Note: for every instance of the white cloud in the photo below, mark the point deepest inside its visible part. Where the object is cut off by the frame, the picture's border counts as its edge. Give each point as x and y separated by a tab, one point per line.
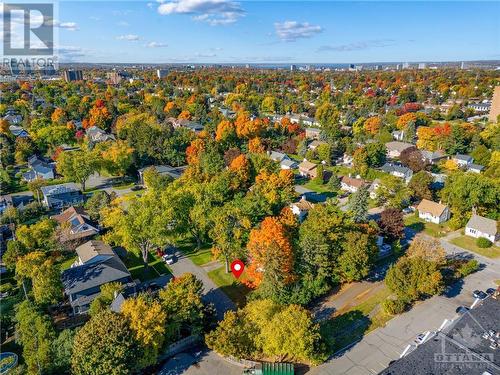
156	45
290	31
71	26
123	23
358	46
214	12
128	37
70	53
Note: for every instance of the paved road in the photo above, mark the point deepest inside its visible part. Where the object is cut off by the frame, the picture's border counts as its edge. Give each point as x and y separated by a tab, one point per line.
212	293
199	362
374	352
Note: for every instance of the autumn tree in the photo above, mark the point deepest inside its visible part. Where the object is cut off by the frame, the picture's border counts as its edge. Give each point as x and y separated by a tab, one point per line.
412	158
372	125
147	319
271	255
427	248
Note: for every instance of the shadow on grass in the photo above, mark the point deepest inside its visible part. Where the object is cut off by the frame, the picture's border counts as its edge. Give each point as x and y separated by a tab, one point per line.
156	267
343	330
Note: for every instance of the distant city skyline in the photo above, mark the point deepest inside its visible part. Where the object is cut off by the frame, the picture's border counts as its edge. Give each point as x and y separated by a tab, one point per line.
292	32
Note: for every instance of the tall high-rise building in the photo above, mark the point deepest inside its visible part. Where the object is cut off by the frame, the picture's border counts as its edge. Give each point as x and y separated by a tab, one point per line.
293	68
495	105
161	73
73	75
406	65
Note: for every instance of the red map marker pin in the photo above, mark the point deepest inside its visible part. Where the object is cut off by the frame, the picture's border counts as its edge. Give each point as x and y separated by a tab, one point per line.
237	268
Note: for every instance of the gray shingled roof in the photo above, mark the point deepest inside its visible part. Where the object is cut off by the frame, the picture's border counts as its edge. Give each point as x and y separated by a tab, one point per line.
89	276
483	224
59	189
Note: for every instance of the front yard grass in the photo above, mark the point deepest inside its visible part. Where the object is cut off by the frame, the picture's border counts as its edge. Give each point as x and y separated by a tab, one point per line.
137	269
234	289
469	243
434	230
198	256
346	327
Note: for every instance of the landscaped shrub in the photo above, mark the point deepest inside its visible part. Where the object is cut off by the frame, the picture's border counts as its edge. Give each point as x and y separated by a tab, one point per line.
469	267
483	242
394	306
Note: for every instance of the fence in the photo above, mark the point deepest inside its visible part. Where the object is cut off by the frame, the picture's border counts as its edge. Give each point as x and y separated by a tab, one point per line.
180	346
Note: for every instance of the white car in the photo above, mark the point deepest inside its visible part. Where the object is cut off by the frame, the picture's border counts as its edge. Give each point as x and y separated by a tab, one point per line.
169	258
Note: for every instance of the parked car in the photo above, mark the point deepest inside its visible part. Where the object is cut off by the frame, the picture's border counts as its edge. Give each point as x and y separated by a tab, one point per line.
479	294
169	258
461	310
490	291
137	187
419	339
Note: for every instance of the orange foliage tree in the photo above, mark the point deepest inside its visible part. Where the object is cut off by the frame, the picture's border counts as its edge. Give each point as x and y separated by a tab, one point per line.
405	119
372	125
225	130
184	115
58	116
241	168
255	145
194	150
270	253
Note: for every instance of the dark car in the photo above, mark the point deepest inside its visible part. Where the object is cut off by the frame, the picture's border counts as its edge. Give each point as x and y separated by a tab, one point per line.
479	294
461	310
490	291
137	187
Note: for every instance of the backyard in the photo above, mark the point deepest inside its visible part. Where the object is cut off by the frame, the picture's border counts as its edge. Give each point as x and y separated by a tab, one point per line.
469	243
156	267
234	289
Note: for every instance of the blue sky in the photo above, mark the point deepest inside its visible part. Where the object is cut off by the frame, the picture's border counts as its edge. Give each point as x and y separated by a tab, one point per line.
225	31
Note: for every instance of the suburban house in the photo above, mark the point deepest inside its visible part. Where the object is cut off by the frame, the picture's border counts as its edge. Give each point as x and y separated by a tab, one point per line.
18	131
395	148
398	135
308	169
463	161
436	213
398	171
432	157
288	164
96	135
373	188
301	208
97	264
313	133
315	144
188	124
347	159
476	168
165	170
75	224
13	118
58	196
16	201
278	156
479	226
348	183
39	168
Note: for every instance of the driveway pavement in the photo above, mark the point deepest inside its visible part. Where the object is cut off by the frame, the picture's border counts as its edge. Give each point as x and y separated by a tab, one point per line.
199	362
212	293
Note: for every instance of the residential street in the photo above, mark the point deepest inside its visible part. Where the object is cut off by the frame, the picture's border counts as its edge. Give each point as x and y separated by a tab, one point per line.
212	293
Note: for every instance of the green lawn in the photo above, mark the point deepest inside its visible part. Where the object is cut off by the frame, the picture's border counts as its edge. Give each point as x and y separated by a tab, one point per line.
351	325
233	288
319	188
469	243
157	267
67	263
434	230
198	256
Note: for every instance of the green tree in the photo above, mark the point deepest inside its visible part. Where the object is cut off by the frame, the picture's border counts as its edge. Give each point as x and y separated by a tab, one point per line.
35	333
62	349
144	225
358	205
360	253
77	166
106	345
334	182
292	334
99	200
47	287
420	185
105	298
38	236
181	300
414	278
481	155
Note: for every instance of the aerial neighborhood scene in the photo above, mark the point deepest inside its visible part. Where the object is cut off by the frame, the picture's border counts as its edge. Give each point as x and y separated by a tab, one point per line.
209	187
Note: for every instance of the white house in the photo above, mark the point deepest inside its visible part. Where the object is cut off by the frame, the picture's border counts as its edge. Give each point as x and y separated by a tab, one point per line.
463	160
395	148
479	226
436	213
350	184
301	208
